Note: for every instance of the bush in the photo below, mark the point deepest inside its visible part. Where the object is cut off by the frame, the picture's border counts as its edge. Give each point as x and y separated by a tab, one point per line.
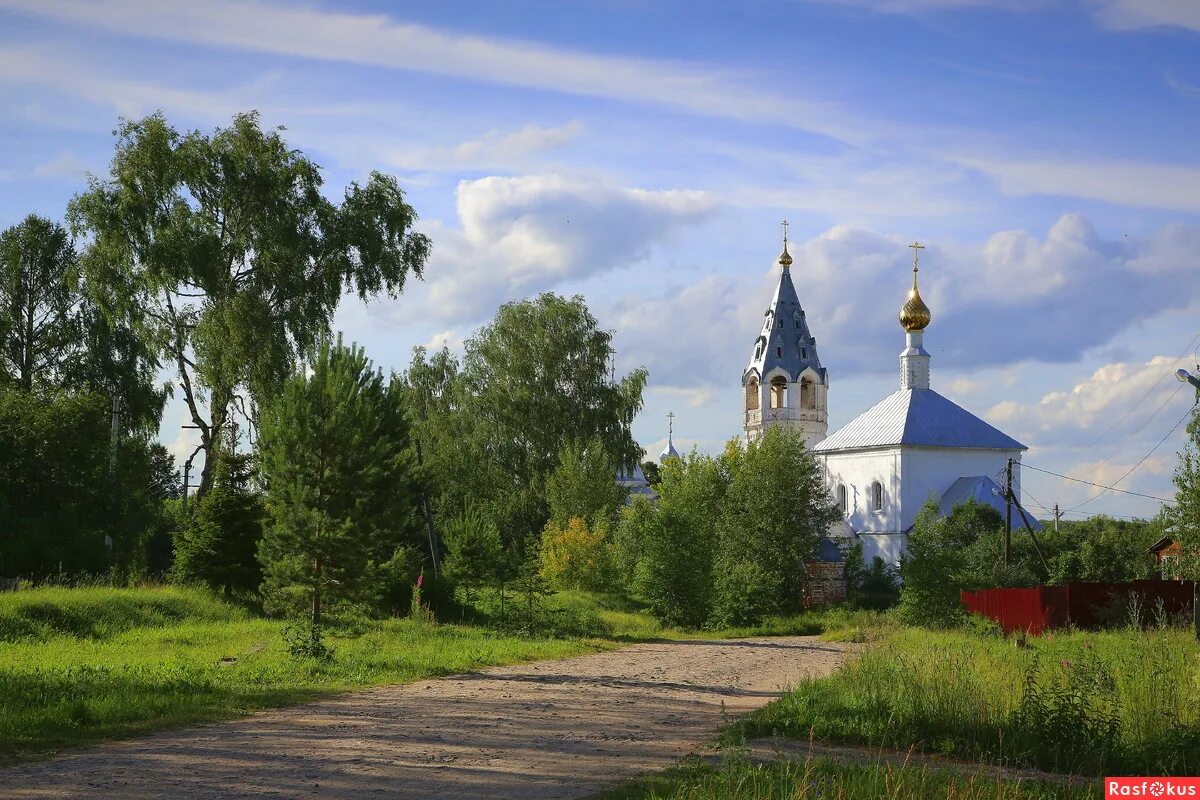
578	556
874	588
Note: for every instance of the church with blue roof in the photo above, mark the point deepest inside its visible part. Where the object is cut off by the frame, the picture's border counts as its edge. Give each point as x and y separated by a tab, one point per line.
884	465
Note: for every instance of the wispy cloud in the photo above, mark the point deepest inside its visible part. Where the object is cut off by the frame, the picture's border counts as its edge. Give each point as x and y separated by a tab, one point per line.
1127	183
1135	14
383	41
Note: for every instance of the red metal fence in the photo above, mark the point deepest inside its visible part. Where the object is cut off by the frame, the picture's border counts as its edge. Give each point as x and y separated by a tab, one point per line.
1081	604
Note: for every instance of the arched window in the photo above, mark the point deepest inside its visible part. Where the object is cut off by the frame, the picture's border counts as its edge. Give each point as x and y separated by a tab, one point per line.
804	353
877	496
841	498
779	352
752	395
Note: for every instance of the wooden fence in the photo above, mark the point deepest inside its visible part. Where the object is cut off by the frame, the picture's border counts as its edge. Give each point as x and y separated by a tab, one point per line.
1080	604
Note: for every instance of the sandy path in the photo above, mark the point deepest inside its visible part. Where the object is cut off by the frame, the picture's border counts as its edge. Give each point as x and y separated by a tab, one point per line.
551	729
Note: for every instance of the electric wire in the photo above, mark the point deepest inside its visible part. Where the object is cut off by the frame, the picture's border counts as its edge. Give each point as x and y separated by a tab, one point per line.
1111	488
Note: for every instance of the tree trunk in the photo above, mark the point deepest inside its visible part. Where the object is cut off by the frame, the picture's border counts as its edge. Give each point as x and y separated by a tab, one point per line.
314	631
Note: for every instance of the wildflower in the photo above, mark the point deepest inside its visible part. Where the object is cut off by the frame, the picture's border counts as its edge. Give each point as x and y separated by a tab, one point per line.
420	580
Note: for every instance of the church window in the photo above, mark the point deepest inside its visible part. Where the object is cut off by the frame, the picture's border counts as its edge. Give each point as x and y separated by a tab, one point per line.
841	497
804	353
779	392
779	352
877	496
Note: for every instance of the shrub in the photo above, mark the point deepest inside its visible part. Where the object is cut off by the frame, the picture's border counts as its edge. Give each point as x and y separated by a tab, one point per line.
578	556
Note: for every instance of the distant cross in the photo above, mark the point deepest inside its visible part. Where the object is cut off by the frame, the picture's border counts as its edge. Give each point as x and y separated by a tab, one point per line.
917	247
670	424
785	227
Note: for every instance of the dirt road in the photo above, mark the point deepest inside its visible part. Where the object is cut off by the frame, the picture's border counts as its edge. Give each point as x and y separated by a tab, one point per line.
551	729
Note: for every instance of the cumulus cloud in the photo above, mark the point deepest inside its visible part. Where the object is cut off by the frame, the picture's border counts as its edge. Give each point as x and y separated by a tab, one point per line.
1013	298
1139	394
522	235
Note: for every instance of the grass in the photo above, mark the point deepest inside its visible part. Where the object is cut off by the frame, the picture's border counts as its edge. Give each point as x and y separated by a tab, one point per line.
822	778
87	664
82	665
1122	702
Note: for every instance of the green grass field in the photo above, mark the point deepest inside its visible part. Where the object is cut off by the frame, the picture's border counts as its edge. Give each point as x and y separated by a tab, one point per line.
81	665
87	664
1121	702
820	779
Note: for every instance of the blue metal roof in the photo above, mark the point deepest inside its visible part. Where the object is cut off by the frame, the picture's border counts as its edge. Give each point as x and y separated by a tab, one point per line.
918	417
985	491
785	341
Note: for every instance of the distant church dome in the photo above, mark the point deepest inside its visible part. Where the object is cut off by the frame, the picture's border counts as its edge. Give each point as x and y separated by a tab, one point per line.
670	451
914	314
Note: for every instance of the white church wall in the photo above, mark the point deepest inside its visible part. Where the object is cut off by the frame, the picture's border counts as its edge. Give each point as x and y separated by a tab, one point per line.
858	471
931	470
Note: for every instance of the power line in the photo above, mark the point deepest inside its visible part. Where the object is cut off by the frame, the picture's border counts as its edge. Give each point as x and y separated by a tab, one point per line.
1108	488
1149	391
1141	461
1138	429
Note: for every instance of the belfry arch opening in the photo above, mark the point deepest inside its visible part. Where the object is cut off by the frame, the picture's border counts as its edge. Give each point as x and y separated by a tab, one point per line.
779	392
808	394
752	394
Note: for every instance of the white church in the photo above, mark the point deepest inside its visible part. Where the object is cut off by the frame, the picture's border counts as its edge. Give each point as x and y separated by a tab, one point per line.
886	463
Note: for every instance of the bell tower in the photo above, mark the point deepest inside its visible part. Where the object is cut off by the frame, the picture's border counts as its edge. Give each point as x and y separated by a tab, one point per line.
784	382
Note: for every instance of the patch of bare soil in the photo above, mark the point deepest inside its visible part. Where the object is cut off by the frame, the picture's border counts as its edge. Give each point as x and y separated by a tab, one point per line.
550	729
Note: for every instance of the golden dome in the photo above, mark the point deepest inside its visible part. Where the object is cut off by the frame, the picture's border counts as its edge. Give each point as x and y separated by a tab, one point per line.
785	259
914	314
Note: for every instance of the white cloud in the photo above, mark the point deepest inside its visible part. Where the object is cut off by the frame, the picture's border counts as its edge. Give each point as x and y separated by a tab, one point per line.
922	6
495	149
523	235
1135	14
381	40
451	339
1103	404
1013	298
64	165
1124	183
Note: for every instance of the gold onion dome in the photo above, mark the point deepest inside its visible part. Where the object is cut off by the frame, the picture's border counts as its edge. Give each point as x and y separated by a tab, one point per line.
914	314
785	259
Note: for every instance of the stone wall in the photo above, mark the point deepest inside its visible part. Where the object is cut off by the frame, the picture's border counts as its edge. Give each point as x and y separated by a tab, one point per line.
826	584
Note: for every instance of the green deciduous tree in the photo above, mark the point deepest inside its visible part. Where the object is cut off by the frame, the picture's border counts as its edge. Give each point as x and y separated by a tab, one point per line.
340	477
671	544
584	485
41	328
492	429
53	337
773	516
223	252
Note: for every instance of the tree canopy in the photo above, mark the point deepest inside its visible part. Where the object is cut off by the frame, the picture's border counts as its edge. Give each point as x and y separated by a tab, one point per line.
223	252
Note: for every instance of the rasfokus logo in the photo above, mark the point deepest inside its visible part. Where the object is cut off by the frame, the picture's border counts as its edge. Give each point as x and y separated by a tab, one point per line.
1151	787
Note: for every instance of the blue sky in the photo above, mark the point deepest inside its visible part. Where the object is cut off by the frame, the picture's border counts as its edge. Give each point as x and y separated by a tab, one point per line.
643	154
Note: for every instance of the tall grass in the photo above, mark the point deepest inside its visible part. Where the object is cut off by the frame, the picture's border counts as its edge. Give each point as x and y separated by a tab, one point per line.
1079	703
821	779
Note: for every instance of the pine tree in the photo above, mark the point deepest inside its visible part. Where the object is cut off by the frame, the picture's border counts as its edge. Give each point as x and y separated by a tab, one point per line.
340	479
219	545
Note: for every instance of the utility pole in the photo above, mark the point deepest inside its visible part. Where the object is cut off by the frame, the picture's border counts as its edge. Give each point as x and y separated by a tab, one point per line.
1008	501
1057	516
113	443
433	552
